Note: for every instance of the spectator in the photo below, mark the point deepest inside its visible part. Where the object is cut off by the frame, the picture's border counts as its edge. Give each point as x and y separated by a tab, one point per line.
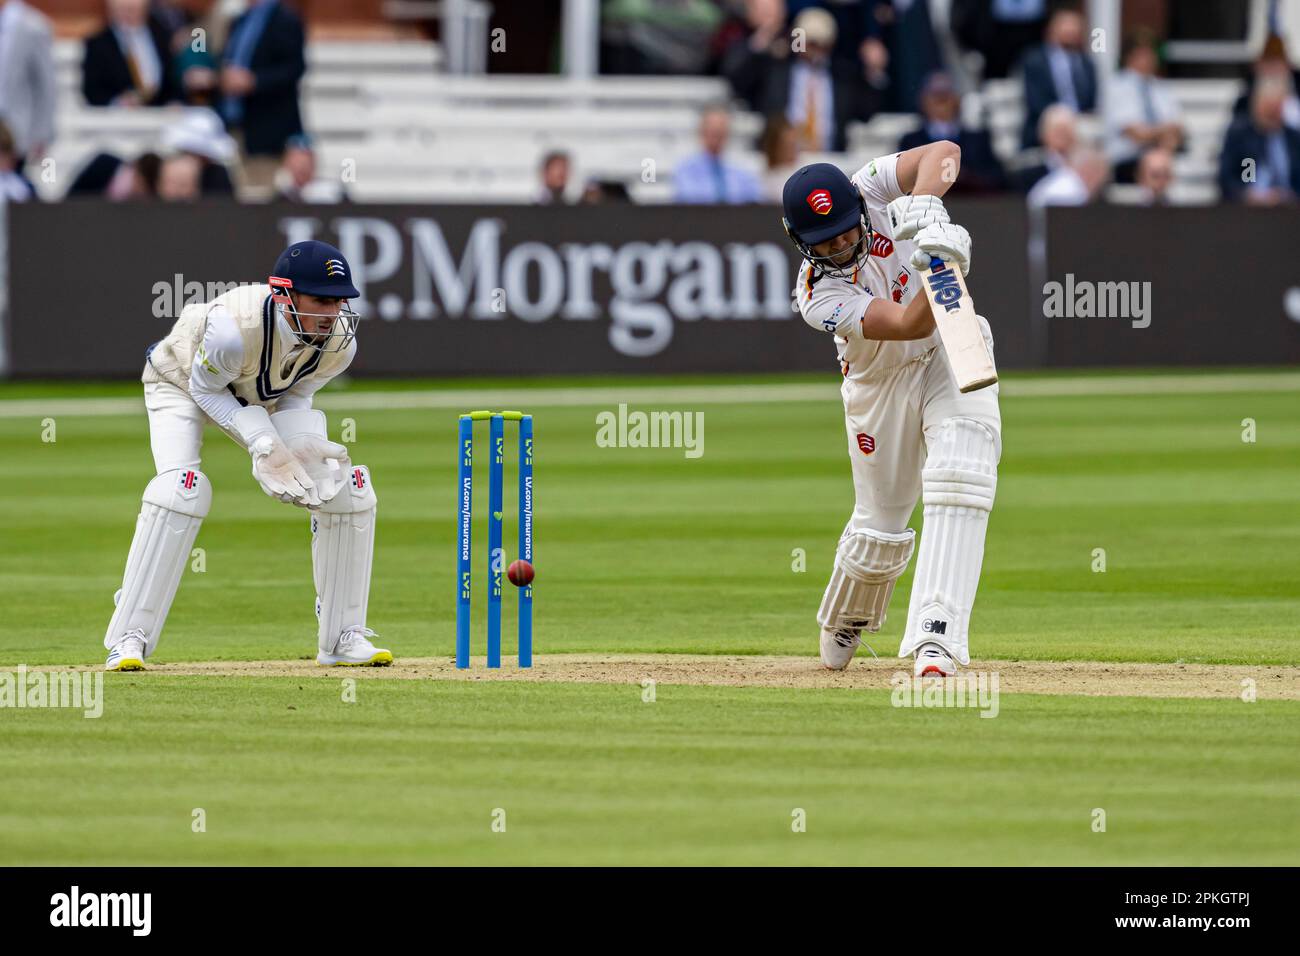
1260	162
28	91
194	65
1155	174
1273	62
941	107
109	177
1141	112
818	95
14	186
780	147
911	50
1058	71
199	133
179	178
1077	183
126	63
263	64
1058	132
756	26
706	177
1000	30
296	179
554	178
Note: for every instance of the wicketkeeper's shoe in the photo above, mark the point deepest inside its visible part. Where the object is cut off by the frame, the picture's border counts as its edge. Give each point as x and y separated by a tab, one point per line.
355	650
127	654
933	661
838	646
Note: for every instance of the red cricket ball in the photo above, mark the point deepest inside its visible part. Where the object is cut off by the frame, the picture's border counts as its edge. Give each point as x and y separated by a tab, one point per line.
520	573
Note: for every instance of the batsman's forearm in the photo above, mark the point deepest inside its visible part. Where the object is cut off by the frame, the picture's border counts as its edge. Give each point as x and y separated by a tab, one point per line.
937	169
918	320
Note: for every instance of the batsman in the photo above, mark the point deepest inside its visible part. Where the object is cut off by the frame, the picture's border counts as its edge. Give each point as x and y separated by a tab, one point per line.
250	362
866	242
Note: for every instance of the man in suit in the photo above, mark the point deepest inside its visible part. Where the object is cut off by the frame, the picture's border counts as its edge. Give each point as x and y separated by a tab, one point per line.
1260	162
707	177
128	62
1058	71
941	106
263	65
1142	113
27	85
816	93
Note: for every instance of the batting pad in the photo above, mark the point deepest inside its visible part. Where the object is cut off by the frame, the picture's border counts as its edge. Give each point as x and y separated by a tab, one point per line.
175	504
958	483
342	547
866	566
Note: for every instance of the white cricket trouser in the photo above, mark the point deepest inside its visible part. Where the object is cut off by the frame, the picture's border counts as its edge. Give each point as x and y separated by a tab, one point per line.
175	427
897	417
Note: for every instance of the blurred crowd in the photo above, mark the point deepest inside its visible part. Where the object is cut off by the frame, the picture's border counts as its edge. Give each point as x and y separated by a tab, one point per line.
231	83
810	68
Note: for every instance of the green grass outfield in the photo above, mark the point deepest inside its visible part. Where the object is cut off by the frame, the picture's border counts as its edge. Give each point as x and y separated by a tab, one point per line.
645	550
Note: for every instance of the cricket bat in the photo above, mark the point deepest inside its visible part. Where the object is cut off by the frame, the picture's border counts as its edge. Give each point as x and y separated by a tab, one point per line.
959	329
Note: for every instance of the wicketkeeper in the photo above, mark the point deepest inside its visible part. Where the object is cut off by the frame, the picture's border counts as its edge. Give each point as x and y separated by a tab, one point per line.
250	362
911	432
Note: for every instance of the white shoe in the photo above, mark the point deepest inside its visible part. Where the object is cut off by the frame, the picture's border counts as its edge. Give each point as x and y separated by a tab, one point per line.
127	654
839	646
933	661
355	650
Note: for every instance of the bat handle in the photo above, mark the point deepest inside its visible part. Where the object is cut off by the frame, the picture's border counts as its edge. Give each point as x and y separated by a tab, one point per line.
936	264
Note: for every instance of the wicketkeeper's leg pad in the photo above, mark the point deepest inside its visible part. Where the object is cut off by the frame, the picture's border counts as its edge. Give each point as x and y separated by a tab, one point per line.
342	548
174	505
867	564
958	486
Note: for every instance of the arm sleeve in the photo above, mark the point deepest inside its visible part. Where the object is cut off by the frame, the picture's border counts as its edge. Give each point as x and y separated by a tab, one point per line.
831	306
216	364
302	392
878	180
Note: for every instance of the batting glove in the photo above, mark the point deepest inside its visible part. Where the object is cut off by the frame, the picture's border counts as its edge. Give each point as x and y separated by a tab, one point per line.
908	215
949	241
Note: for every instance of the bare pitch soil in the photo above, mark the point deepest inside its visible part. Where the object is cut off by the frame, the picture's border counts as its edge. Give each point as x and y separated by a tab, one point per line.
1094	678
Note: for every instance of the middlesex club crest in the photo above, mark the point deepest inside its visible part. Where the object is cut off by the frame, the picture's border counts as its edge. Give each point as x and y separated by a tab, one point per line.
866	444
820	201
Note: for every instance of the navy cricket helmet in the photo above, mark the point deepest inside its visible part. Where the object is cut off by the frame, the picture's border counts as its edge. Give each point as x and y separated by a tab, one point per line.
316	268
819	203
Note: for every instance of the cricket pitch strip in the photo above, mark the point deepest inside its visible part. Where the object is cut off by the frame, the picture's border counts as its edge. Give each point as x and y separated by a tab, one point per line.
1089	678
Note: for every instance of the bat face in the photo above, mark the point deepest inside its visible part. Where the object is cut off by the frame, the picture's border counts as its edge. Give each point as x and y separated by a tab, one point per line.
959	328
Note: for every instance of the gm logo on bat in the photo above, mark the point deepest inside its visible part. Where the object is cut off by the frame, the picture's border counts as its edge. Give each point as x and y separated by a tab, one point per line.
944	285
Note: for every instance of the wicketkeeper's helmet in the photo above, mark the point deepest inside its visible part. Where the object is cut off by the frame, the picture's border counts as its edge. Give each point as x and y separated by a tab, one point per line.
318	269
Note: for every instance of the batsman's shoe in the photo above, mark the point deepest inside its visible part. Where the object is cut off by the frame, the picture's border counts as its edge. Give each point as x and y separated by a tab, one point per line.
127	654
838	646
933	661
355	650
